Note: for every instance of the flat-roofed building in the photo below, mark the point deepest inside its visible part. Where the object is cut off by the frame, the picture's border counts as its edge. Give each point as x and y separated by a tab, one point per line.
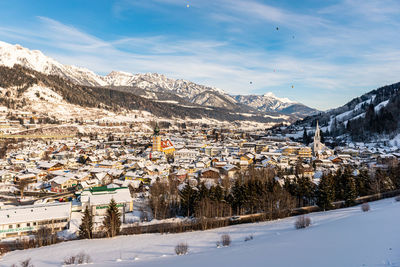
25	220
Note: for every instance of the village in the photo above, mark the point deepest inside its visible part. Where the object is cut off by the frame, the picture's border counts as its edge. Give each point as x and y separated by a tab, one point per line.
50	182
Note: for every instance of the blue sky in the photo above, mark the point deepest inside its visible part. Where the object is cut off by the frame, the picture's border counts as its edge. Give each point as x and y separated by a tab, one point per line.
324	53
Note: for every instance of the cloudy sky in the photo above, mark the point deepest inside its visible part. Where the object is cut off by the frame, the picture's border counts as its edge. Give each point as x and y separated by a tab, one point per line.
320	53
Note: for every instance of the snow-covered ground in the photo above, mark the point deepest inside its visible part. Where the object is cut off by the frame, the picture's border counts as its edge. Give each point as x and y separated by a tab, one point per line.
345	237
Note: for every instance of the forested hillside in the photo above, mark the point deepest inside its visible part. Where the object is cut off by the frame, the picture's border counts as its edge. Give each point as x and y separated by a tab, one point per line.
374	113
17	80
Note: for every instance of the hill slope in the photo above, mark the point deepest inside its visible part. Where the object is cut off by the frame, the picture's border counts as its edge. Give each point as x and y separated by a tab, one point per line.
345	237
374	113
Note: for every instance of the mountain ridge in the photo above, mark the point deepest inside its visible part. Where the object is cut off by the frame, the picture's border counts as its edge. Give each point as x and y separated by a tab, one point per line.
155	85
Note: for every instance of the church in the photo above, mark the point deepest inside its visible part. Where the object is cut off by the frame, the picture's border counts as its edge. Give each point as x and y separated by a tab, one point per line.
320	151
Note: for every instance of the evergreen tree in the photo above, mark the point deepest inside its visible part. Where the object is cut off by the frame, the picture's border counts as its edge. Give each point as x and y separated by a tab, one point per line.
86	227
188	197
363	183
203	192
339	183
350	192
112	220
305	136
305	191
239	196
326	192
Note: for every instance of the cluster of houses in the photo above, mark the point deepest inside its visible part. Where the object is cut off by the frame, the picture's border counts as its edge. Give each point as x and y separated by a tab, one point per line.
98	169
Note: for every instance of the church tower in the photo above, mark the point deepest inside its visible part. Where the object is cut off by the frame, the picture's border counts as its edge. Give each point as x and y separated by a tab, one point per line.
317	141
156	139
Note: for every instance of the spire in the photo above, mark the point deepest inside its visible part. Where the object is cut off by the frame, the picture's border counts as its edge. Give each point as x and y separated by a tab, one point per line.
156	129
317	132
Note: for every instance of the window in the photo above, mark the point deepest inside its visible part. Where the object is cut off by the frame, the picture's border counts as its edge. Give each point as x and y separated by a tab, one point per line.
34	223
18	225
10	226
28	224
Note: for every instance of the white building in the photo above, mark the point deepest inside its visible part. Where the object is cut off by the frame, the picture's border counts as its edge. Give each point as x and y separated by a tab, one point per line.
98	199
25	220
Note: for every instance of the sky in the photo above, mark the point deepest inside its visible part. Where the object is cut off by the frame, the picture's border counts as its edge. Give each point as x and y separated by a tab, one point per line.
320	53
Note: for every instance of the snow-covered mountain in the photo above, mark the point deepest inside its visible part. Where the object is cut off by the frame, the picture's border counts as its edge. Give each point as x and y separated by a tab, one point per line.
151	85
268	102
36	60
154	82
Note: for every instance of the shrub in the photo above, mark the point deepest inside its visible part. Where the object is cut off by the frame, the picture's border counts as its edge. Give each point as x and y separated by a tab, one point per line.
3	249
365	207
225	240
302	222
69	260
397	198
26	263
248	238
79	258
82	258
181	249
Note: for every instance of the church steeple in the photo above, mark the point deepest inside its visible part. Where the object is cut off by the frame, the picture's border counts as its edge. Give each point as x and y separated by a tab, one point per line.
156	129
317	141
317	136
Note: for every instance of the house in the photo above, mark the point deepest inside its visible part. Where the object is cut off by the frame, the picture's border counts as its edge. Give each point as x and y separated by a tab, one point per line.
103	177
181	174
248	157
6	176
50	166
229	170
210	173
62	183
26	177
167	147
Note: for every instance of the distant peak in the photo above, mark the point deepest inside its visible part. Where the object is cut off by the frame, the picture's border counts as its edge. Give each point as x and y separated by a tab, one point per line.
272	95
269	94
119	73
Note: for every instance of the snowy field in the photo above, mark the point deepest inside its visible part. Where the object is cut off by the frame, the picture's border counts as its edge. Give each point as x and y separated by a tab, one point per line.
345	237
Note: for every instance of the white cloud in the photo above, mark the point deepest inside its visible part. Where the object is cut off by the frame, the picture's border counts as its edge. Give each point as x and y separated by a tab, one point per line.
329	61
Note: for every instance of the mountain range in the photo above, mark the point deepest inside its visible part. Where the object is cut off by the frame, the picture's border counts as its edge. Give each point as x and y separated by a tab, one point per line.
156	87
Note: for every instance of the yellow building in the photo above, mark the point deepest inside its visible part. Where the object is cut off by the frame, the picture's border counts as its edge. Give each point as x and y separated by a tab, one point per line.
156	139
167	147
305	152
156	143
289	150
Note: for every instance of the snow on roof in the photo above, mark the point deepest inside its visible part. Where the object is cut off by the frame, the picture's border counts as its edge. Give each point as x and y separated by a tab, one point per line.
103	195
229	167
35	213
60	179
46	165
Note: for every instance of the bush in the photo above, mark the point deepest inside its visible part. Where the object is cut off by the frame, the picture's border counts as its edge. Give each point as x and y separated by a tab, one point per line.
3	249
397	198
82	258
248	238
26	263
79	258
302	222
181	249
225	240
365	207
